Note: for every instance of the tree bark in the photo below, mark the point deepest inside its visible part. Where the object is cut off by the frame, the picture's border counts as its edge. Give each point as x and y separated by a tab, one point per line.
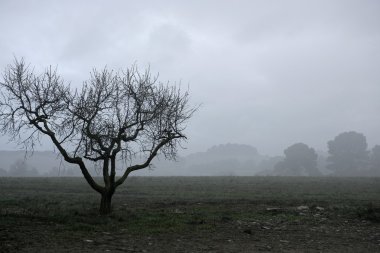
105	203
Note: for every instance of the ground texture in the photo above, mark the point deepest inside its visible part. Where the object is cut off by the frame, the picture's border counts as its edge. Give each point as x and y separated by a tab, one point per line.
208	214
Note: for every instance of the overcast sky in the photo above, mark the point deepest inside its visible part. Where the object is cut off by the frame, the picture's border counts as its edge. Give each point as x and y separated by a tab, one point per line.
268	73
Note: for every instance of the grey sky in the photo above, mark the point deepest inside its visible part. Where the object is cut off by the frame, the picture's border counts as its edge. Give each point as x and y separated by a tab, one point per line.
269	73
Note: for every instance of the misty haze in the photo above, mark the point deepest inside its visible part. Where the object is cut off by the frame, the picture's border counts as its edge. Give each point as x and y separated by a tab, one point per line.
202	126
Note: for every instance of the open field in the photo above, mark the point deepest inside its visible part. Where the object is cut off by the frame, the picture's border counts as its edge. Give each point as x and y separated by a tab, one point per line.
179	214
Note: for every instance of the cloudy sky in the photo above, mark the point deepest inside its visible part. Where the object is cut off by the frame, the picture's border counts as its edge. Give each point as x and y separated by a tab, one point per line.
268	73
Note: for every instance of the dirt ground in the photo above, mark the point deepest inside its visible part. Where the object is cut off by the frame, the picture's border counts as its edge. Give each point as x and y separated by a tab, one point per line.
32	222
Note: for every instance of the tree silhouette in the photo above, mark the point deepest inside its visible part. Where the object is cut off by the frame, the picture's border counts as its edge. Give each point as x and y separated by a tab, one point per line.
20	168
3	172
125	115
374	161
300	160
348	154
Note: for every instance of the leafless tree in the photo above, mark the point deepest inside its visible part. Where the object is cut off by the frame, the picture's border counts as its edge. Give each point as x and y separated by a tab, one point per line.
116	115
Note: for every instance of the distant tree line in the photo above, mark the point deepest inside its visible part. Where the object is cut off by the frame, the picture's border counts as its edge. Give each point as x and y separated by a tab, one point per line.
348	155
20	168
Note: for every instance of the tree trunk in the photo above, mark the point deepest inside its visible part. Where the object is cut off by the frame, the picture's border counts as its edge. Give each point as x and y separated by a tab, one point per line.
105	203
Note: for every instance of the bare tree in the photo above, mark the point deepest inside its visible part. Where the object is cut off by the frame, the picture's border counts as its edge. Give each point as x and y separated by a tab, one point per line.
121	115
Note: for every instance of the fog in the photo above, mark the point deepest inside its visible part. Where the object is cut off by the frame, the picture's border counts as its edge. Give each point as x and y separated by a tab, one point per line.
266	73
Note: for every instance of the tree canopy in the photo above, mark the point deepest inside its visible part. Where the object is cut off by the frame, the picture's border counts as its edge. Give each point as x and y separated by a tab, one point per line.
300	160
374	161
348	154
